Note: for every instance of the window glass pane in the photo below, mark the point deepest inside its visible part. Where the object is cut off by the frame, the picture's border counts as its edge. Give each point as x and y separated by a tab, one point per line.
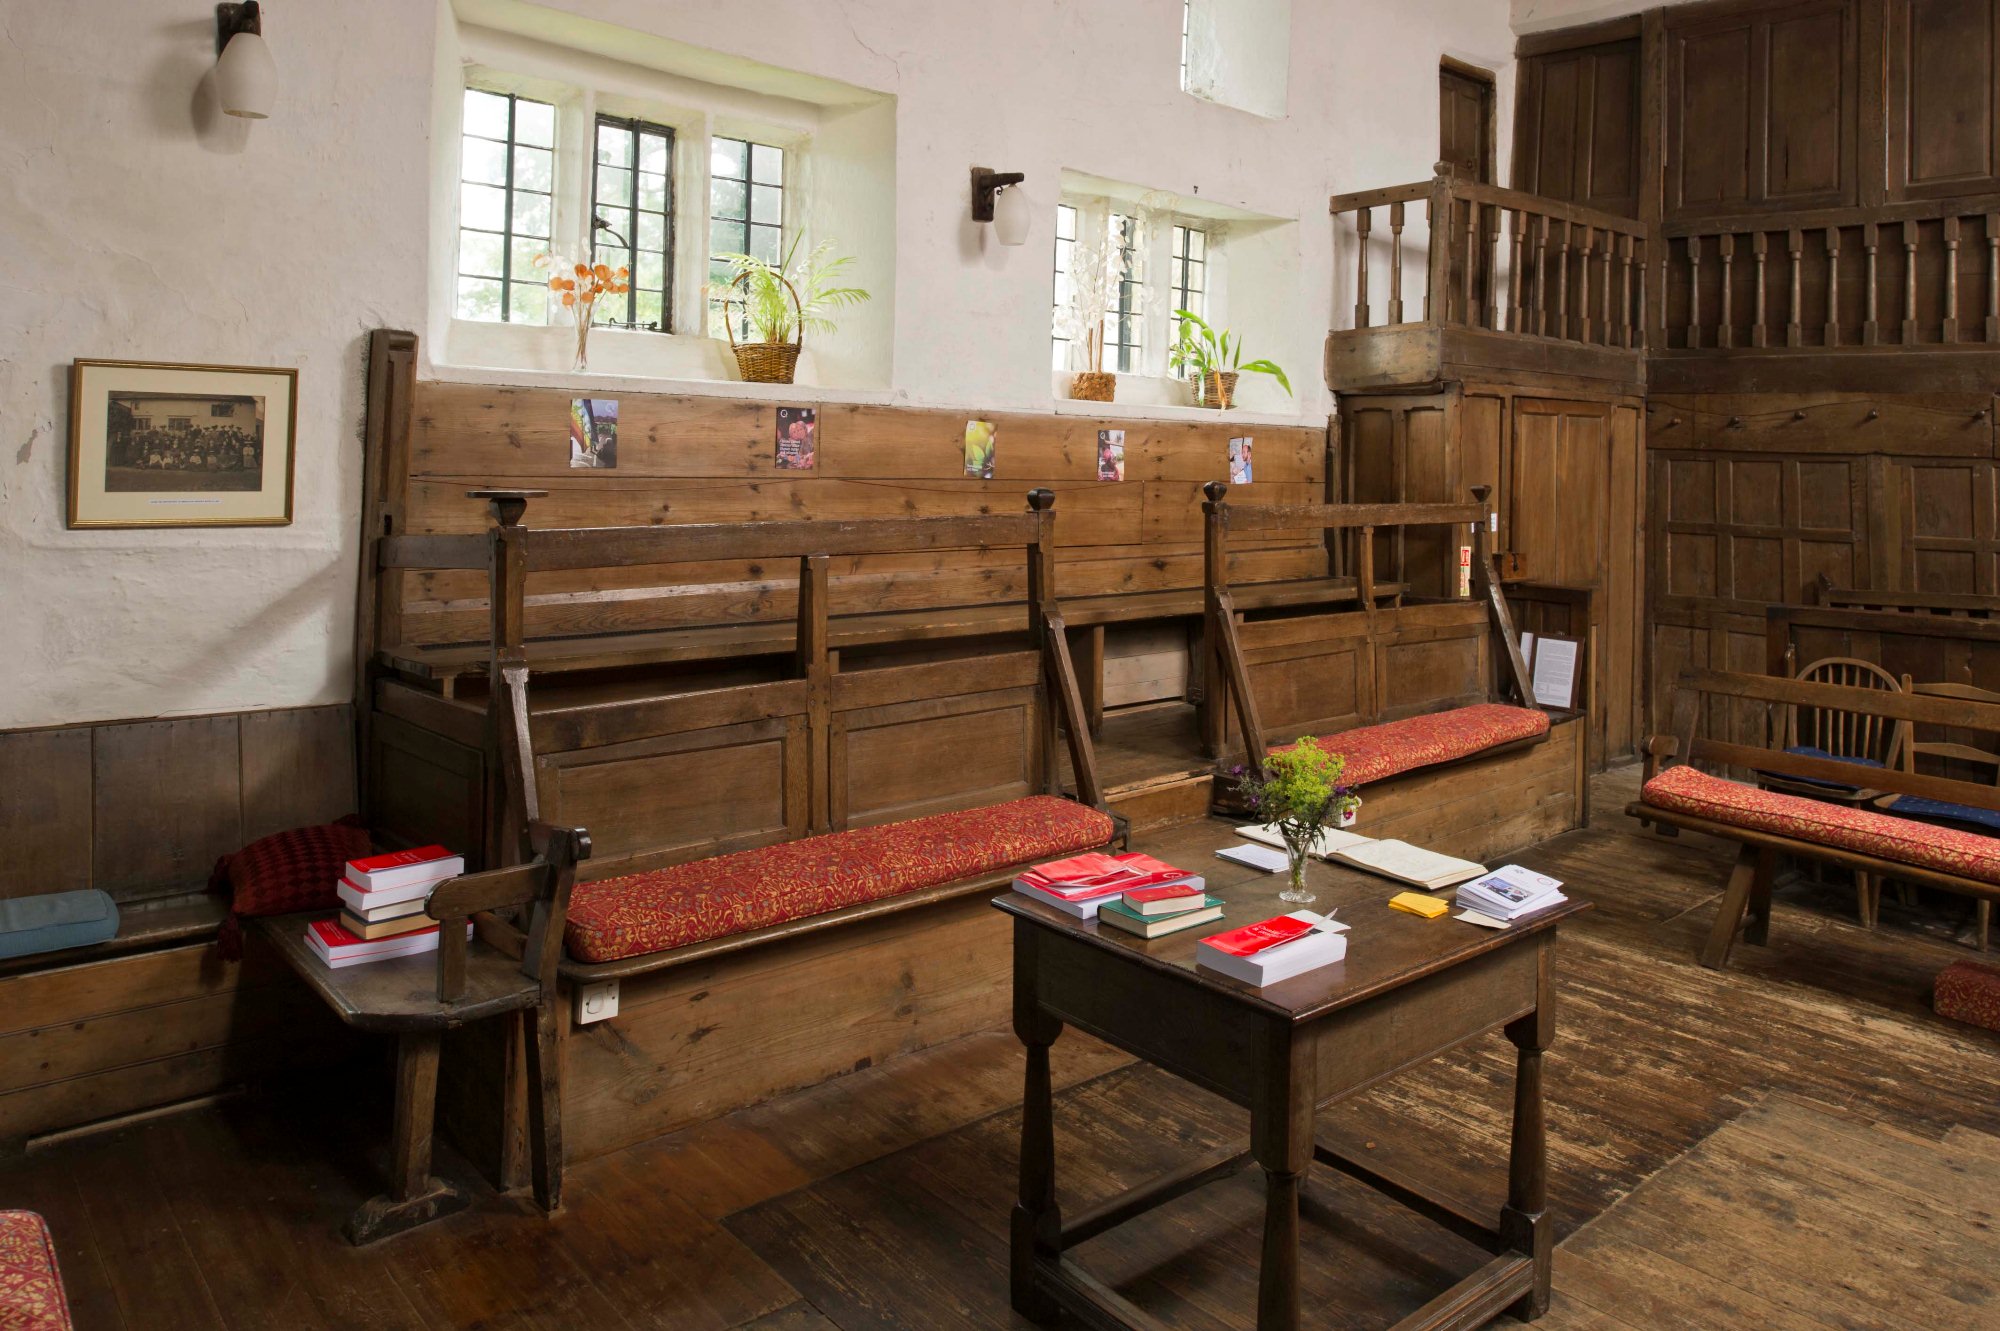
614	188
725	198
653	153
651	271
531	214
482	253
534	168
727	157
529	303
485	114
614	145
767	164
652	232
1197	244
648	308
526	250
482	206
485	161
726	238
534	123
613	256
478	298
764	243
652	192
767	204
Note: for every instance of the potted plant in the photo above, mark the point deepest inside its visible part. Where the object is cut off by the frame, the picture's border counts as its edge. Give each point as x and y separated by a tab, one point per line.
1213	361
781	301
1298	791
1096	267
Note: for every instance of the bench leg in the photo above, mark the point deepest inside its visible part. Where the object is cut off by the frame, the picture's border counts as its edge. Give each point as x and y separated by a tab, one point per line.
1758	931
545	1104
1867	899
1735	902
1091	673
415	1197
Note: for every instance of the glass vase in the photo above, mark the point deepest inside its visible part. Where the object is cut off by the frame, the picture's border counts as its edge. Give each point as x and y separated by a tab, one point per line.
582	363
1295	893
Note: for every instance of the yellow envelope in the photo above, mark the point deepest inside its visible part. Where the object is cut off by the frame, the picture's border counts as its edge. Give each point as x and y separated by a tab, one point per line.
1417	904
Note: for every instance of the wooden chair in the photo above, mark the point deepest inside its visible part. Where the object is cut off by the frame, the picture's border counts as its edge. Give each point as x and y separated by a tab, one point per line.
1964	755
511	969
1841	736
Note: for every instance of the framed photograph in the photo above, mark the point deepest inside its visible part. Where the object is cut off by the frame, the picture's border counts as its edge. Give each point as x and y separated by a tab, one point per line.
154	445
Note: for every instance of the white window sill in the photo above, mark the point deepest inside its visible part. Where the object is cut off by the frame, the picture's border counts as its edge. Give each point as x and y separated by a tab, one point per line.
1146	404
805	394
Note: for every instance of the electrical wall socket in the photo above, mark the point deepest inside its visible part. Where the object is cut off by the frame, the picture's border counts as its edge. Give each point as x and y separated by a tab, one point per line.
595	1002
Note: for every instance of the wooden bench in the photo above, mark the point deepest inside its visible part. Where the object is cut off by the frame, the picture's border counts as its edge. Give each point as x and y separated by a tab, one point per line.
828	808
1768	823
1407	690
1956	605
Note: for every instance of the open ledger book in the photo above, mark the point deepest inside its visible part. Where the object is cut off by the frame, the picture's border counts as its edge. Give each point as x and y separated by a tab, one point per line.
1398	860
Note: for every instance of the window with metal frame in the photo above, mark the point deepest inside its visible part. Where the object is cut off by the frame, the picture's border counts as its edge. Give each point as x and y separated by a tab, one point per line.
632	219
1187	16
506	207
1065	246
1187	274
1124	331
746	215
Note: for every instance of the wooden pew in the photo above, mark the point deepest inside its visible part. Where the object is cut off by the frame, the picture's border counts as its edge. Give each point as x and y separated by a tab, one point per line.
1957	605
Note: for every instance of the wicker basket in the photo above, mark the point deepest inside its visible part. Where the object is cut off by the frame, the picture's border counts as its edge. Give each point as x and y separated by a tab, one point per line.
1094	386
1215	389
766	362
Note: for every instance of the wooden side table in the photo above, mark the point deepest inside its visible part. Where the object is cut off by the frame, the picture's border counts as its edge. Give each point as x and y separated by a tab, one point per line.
1409	990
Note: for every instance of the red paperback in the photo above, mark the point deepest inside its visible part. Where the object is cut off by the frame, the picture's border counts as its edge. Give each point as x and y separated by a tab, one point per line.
1162	893
1096	874
396	859
1254	938
333	935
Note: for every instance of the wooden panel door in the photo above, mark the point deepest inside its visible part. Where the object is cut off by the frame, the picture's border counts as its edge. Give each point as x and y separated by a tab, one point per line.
1465	121
1561	480
1944	98
1576	123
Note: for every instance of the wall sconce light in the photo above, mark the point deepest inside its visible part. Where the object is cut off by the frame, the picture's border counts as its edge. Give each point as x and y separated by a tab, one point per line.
246	78
996	198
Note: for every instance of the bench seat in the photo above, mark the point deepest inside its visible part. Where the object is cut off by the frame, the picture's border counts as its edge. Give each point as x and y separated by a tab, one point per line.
1378	752
1687	790
31	1288
663	909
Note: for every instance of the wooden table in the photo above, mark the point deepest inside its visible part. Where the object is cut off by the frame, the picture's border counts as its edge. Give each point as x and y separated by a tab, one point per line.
399	997
1409	990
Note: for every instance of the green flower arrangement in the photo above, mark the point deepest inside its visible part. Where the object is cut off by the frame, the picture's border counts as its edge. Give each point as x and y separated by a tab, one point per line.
1299	790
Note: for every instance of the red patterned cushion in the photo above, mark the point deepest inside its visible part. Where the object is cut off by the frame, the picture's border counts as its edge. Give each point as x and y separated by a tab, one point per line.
1375	753
1684	789
754	889
31	1292
1969	992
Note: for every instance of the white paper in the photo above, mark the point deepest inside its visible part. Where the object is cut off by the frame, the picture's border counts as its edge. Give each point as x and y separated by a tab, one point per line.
1555	672
1483	921
1256	857
1329	840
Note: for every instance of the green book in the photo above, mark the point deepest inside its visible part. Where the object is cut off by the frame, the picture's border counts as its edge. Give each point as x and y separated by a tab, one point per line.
1117	916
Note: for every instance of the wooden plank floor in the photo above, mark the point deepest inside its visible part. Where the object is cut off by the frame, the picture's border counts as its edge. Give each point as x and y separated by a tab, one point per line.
1795	1143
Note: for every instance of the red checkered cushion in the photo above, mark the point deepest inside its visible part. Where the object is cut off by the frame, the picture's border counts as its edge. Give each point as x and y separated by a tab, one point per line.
31	1290
755	889
1969	992
286	872
1375	753
1684	789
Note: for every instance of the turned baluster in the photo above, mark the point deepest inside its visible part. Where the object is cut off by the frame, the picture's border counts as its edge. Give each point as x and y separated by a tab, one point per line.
1909	283
1694	293
1542	281
1604	299
1759	335
1562	284
1472	302
1361	225
1639	310
1871	325
1833	286
1584	252
1725	328
1395	263
1517	317
1993	277
1796	244
1625	290
1950	330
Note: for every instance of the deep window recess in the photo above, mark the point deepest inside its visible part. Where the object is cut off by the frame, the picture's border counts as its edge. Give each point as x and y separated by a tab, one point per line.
746	215
505	206
632	219
1123	331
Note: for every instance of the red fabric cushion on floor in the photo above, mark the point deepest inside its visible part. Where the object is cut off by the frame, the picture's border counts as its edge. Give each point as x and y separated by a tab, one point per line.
755	889
1684	789
1375	753
31	1290
1969	992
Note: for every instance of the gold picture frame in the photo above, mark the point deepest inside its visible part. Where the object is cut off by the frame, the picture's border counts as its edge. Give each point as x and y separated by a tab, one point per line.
158	444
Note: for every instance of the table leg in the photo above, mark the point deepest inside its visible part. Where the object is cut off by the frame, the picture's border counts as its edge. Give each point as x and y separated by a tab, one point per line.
1281	1139
415	1197
1525	1225
1037	1221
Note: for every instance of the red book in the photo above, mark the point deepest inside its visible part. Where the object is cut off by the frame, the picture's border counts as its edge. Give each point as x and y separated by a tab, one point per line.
1096	874
1254	938
1165	900
396	859
403	869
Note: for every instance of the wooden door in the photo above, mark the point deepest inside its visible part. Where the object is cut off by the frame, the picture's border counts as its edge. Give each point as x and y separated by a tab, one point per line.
1944	98
1465	120
1576	126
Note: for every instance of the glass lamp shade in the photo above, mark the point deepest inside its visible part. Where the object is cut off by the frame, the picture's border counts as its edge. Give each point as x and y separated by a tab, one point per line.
246	78
1011	216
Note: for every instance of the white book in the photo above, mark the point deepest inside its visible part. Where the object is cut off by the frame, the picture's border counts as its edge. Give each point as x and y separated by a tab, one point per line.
369	906
1324	846
1409	864
1256	857
1510	892
1322	947
1482	905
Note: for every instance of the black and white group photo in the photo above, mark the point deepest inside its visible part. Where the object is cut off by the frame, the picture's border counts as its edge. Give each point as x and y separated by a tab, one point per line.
171	441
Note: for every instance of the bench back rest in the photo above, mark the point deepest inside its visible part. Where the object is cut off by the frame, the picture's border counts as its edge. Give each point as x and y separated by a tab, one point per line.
1960	605
535	894
1410	639
812	717
1683	745
1845	734
1951	751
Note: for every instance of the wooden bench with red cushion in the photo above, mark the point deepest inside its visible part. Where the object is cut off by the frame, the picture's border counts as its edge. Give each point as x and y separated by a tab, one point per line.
743	896
31	1288
1969	992
1391	748
1770	823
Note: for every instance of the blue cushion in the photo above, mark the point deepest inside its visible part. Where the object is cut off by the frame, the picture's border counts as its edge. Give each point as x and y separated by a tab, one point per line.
1974	820
54	921
1807	751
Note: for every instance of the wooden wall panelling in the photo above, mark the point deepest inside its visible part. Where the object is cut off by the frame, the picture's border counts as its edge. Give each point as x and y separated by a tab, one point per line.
1311	675
1952	533
298	768
167	799
45	809
1577	119
424	787
1943	98
907	759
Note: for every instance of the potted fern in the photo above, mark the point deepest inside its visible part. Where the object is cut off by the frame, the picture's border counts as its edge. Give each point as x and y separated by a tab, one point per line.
780	302
1213	361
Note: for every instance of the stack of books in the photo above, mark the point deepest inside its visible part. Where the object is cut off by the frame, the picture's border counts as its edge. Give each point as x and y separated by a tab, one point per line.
1510	892
1275	949
1081	884
382	907
1154	912
1398	860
